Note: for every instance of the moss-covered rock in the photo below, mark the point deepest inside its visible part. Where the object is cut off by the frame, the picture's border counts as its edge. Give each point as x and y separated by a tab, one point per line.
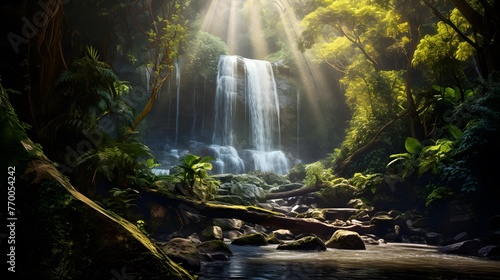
211	233
346	239
337	195
254	239
307	243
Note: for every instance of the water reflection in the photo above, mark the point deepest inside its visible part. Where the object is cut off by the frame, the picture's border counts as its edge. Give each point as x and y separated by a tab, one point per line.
377	262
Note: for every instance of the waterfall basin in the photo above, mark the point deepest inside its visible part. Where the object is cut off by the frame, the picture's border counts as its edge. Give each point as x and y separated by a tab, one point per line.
385	261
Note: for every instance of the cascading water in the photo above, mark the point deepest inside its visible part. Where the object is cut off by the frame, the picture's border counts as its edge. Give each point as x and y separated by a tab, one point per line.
247	118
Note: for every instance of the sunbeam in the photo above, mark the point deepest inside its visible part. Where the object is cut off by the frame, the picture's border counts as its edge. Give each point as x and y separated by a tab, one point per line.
315	83
222	20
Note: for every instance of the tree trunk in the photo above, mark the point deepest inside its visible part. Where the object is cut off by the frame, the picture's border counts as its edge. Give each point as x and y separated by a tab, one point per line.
302	191
258	216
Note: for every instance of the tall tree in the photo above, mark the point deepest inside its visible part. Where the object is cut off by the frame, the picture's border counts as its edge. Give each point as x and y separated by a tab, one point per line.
166	30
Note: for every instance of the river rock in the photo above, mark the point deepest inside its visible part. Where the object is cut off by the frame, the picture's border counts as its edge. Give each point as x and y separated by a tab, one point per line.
468	248
383	223
433	238
250	193
183	251
232	234
283	234
346	239
490	251
254	239
211	233
307	243
274	240
214	250
228	224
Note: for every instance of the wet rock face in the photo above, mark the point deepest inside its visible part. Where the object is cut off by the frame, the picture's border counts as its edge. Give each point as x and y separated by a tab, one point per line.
346	239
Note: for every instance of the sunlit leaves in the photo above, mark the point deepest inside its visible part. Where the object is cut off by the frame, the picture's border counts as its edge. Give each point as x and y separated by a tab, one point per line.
446	44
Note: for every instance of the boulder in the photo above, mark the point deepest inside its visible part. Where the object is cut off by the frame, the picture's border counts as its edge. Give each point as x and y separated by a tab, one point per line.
433	238
249	192
274	240
232	234
307	243
489	251
283	234
383	223
253	239
338	195
211	233
184	252
228	224
240	193
468	248
214	250
346	239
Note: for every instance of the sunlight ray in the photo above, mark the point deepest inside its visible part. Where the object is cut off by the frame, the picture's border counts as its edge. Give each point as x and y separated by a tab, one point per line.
312	77
260	47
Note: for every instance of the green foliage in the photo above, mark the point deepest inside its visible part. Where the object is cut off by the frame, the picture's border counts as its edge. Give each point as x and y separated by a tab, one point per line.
337	194
13	131
317	170
91	90
119	200
424	157
437	194
444	52
459	174
116	161
297	173
364	182
195	177
202	55
481	116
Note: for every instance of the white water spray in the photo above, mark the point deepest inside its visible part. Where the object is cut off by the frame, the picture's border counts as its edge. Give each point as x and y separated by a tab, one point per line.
247	116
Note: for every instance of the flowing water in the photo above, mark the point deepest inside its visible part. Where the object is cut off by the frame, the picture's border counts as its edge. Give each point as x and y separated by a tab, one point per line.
247	116
386	261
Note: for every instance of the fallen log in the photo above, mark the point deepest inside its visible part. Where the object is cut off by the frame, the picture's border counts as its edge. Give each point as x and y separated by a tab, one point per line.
260	216
298	192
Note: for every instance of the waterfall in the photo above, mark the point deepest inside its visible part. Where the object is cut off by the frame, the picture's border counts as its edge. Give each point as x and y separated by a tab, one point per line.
247	117
178	85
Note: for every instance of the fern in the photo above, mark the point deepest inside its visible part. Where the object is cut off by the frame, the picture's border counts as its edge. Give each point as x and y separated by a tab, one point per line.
116	161
92	90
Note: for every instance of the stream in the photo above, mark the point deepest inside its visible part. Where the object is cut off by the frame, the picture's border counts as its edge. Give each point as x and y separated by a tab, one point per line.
386	261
